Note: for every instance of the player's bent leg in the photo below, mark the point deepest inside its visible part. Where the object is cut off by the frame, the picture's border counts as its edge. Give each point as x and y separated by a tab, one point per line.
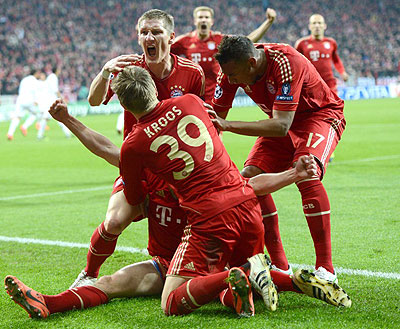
250	171
104	239
314	286
317	211
119	213
140	279
171	283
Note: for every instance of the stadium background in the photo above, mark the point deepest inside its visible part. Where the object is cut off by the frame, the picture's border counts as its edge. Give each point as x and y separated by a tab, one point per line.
81	35
55	193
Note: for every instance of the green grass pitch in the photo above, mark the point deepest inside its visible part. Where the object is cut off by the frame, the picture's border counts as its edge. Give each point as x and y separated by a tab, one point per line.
363	183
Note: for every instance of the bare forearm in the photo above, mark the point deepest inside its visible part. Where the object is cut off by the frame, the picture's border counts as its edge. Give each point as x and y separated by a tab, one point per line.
268	183
98	90
265	128
93	141
258	33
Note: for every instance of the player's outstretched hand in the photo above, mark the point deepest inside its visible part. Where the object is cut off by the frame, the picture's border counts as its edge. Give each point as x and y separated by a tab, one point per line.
270	14
117	64
59	111
306	167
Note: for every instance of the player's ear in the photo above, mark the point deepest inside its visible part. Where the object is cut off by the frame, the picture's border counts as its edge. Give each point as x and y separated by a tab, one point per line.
171	38
252	61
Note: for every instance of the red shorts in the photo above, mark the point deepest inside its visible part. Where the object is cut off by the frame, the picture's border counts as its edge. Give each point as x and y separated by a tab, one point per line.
161	265
232	236
316	137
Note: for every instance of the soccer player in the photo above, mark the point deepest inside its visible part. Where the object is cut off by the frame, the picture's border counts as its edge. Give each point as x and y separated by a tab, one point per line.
26	102
48	93
306	117
201	45
142	278
322	51
173	76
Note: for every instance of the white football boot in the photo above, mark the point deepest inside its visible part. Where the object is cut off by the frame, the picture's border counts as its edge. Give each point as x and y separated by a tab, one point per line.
260	279
314	286
322	273
83	280
289	271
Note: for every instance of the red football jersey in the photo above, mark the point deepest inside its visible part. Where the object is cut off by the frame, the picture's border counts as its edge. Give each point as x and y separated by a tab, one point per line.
178	142
290	83
322	54
185	77
201	52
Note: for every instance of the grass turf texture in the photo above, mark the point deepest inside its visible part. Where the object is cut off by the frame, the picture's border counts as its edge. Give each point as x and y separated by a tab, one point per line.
364	197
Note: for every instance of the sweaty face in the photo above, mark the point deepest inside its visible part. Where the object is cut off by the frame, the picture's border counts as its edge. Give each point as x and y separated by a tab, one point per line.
203	21
155	40
317	25
239	73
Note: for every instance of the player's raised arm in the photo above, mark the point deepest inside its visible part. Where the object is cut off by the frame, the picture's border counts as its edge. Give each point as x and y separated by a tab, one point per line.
92	140
258	33
306	167
99	86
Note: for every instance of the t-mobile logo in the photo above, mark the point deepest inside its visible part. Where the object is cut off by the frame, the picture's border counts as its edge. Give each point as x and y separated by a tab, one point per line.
164	214
314	55
196	57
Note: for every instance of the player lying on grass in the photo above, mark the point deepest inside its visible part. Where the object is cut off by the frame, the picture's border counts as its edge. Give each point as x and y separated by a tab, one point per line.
145	278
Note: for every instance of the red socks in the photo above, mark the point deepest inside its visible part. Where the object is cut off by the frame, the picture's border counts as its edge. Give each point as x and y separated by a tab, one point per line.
317	211
102	245
272	236
77	298
195	293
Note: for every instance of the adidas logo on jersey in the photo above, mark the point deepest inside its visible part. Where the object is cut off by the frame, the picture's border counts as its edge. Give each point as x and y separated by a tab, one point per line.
190	266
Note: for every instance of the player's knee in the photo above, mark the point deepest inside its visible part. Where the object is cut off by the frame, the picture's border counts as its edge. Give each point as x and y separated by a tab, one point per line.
250	171
115	225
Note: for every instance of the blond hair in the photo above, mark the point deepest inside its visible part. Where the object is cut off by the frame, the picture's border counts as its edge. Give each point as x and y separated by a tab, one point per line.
135	89
203	8
167	19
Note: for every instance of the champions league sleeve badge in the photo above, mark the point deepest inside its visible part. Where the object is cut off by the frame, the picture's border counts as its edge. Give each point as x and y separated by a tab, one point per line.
218	92
285	93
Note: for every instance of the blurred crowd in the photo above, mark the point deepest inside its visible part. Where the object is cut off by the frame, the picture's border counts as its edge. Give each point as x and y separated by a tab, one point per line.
81	35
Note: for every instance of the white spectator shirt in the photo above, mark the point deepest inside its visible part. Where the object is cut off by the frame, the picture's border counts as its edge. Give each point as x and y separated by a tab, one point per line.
27	90
52	86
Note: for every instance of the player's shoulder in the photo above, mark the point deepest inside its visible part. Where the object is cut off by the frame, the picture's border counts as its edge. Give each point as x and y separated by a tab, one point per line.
300	41
185	64
183	38
330	39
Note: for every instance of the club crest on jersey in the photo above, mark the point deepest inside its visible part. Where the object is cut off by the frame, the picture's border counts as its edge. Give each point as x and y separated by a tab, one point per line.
211	45
176	91
218	92
327	45
271	87
285	93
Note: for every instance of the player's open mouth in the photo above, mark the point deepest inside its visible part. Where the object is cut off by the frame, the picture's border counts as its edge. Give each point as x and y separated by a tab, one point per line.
151	50
203	26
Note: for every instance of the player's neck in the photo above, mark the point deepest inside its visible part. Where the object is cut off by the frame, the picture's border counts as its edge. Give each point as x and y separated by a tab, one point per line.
162	69
203	36
147	111
262	64
318	37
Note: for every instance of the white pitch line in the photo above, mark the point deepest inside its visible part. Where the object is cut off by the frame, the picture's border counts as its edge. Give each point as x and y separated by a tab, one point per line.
144	252
38	195
382	158
66	244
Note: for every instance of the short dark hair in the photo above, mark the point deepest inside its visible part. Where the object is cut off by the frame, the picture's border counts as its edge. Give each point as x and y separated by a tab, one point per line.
236	48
